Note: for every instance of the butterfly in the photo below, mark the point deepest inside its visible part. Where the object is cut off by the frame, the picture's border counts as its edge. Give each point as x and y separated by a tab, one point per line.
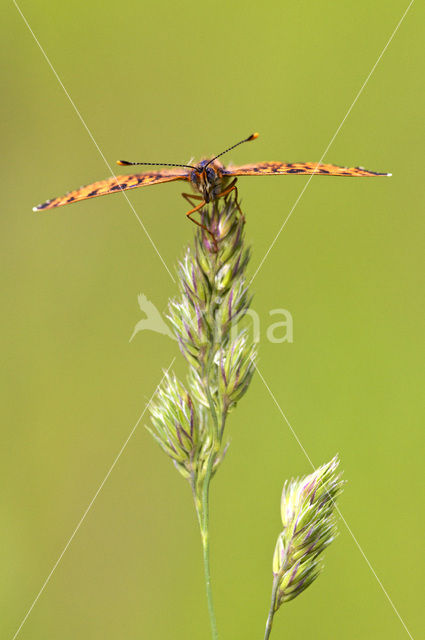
210	178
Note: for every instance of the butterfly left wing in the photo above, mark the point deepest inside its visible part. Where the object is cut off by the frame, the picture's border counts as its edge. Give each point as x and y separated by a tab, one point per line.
114	184
282	168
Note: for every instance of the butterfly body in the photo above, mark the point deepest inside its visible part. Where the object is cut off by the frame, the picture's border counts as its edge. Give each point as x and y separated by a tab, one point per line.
209	179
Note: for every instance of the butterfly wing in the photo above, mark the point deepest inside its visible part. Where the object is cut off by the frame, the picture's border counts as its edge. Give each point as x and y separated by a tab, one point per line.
279	168
114	184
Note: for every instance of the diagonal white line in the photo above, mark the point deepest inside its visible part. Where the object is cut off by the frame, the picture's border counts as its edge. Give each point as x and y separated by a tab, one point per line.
336	506
332	140
92	138
373	572
111	468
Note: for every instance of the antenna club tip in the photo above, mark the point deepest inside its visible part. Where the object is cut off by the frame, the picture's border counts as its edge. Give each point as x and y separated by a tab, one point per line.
253	136
123	163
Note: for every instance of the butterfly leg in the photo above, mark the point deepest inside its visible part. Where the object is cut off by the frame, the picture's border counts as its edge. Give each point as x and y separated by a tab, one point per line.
189	197
227	191
194	210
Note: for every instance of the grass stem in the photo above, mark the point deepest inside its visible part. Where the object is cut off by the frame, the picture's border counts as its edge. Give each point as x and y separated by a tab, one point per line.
270	617
204	523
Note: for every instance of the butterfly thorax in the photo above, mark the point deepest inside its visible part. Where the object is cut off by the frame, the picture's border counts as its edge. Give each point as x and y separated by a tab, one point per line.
208	179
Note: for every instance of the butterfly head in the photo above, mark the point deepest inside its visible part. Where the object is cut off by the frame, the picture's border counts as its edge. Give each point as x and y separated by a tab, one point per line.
206	178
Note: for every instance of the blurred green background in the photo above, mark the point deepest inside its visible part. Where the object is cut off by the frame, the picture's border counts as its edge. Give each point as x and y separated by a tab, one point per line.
171	81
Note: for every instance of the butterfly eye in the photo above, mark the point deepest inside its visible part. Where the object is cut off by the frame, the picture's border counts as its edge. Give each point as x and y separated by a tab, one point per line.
210	174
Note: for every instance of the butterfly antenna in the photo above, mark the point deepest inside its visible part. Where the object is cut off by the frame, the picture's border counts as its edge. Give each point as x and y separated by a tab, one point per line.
253	136
125	163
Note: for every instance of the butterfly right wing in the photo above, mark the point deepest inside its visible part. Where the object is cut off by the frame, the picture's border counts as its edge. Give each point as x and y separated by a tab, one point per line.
303	168
113	185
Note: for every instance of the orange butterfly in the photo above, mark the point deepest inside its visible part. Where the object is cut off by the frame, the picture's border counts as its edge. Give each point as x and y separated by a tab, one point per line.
210	178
